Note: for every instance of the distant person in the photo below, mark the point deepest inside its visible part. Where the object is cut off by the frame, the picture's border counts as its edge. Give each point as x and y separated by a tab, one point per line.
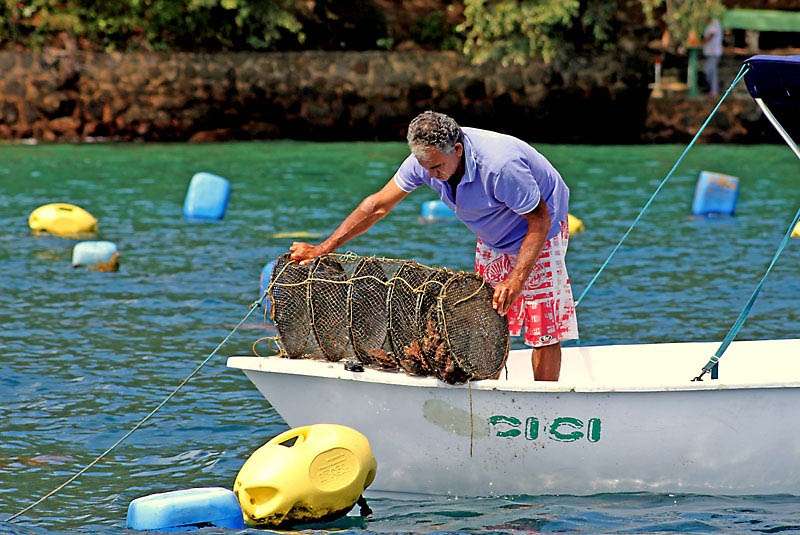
516	203
712	50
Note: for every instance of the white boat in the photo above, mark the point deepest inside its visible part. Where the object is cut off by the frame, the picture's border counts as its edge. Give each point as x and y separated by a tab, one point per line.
622	418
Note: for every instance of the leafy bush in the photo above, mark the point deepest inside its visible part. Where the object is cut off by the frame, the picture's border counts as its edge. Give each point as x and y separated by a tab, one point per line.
154	24
514	31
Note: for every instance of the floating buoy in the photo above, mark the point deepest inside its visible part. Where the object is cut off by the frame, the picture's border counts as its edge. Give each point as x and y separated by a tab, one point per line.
431	211
308	474
186	509
715	193
575	225
263	284
207	197
97	255
796	231
296	235
62	219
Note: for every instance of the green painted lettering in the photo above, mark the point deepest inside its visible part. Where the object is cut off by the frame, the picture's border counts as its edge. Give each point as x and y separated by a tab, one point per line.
574	423
594	430
532	428
506	420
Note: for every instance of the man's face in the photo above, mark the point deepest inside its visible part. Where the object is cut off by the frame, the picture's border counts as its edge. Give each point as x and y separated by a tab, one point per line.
439	165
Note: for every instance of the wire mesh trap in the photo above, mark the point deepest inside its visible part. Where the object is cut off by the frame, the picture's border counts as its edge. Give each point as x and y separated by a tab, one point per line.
389	313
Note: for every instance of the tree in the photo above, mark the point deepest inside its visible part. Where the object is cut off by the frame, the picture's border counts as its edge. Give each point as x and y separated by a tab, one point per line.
516	31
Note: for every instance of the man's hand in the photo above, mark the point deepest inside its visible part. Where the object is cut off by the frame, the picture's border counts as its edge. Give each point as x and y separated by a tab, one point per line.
304	253
505	294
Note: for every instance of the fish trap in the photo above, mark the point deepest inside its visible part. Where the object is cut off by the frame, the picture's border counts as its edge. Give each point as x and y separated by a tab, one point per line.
388	314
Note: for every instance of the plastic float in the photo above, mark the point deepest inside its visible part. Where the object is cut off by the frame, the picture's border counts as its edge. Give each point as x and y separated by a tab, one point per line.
182	510
308	474
296	235
62	219
263	283
575	225
207	197
97	255
431	211
715	193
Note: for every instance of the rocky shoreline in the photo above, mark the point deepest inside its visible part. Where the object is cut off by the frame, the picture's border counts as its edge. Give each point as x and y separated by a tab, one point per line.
73	96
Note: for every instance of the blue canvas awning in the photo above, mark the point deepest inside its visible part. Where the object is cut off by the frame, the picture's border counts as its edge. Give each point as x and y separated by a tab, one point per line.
774	83
774	78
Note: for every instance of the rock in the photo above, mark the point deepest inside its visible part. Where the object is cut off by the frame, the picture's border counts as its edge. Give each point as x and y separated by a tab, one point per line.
64	125
206	136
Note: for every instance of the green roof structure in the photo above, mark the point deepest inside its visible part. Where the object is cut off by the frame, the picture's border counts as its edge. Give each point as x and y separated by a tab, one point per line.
763	20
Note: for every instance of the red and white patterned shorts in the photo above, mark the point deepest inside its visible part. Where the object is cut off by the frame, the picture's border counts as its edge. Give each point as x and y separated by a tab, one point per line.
545	307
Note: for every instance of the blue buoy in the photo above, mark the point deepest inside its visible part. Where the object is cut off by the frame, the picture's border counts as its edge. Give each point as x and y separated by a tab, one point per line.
435	211
263	284
715	193
94	253
182	509
207	197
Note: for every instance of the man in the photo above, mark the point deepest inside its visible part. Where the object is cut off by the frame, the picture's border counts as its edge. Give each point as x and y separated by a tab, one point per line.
516	203
712	50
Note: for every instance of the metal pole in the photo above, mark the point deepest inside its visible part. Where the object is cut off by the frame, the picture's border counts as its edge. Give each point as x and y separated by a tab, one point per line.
691	75
785	135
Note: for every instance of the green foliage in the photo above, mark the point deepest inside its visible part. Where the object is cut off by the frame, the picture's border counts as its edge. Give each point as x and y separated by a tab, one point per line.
433	31
515	31
153	24
683	17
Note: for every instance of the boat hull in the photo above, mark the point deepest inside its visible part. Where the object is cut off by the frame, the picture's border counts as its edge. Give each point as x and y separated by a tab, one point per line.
477	440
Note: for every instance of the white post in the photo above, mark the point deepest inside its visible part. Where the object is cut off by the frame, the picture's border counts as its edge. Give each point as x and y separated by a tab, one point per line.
778	127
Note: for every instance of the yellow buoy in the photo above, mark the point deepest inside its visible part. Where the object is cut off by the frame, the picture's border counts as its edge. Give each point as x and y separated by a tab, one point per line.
575	224
296	234
796	231
62	219
307	474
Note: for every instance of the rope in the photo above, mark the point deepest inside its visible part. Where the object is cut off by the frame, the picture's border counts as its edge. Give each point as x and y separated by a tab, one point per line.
737	325
273	339
680	159
471	423
141	422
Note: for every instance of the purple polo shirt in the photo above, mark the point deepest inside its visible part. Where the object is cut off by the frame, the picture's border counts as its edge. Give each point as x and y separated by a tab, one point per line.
504	178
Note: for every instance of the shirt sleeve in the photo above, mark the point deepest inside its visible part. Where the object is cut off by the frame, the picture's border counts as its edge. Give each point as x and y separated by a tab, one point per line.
516	188
410	175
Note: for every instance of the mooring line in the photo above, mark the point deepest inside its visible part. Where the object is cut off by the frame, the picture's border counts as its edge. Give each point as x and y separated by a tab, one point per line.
141	422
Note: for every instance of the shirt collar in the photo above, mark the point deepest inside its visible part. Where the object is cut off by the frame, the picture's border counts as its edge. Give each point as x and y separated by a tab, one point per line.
470	159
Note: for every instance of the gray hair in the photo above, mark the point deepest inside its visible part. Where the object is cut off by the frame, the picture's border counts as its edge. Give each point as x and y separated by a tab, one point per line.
432	130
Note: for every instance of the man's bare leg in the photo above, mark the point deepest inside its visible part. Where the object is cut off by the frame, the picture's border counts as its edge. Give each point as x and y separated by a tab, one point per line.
546	362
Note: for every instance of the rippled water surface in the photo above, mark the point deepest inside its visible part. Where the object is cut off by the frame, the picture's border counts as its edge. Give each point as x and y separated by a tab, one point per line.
85	355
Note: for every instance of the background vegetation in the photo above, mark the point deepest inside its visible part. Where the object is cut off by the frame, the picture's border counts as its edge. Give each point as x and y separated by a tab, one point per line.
484	30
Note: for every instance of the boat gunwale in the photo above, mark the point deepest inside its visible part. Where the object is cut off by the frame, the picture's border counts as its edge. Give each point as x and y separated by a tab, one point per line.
335	370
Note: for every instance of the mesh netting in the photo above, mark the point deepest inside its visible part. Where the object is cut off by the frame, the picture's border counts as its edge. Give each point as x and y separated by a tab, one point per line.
368	329
470	325
401	305
389	313
289	309
327	304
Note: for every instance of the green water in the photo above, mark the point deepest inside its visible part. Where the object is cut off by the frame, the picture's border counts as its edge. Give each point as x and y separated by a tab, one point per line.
85	354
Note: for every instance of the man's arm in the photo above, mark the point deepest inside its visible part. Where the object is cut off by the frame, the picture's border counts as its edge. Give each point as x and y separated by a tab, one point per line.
366	214
507	291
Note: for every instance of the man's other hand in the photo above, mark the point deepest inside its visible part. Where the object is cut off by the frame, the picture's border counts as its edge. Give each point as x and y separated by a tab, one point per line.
303	252
505	294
